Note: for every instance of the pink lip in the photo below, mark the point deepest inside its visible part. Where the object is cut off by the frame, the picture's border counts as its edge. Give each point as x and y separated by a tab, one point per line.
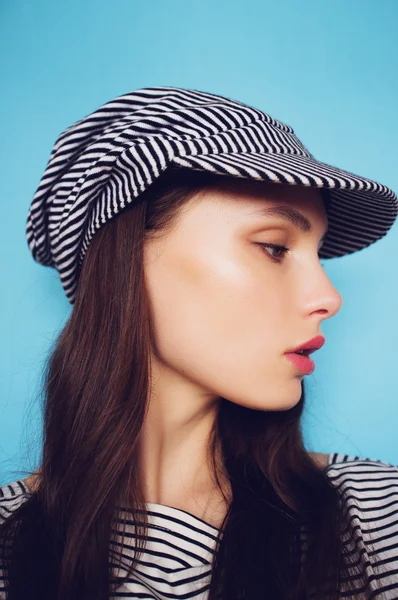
315	344
301	362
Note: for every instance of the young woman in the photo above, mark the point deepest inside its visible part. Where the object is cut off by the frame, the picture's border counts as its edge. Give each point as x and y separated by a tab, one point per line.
173	463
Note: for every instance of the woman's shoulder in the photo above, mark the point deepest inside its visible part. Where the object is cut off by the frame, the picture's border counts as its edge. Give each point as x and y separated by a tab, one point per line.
346	464
366	484
368	489
368	480
12	495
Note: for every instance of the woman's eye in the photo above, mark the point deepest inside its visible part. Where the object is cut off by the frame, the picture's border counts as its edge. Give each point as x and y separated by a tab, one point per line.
276	248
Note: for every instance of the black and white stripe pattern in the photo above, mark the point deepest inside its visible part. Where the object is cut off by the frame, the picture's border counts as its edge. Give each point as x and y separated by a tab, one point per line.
101	163
176	562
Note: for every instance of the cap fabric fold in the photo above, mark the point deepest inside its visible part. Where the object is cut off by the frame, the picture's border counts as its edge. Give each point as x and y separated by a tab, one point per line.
103	162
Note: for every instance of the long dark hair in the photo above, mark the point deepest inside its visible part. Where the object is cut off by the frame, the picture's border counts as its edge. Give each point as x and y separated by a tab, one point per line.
96	381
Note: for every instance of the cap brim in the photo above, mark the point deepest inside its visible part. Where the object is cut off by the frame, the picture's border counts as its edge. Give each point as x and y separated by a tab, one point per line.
360	212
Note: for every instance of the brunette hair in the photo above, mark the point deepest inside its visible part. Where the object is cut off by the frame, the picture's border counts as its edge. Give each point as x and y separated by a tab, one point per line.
96	389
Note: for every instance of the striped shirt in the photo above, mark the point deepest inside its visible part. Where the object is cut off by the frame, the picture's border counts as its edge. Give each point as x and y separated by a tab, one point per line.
176	562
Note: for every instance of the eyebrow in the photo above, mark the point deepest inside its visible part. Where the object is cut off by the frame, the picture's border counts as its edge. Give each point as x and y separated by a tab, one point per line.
289	214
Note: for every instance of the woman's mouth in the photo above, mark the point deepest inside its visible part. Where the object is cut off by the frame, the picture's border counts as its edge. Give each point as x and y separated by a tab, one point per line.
302	362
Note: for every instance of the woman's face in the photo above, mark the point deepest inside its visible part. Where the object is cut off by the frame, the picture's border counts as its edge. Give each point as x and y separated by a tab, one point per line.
225	310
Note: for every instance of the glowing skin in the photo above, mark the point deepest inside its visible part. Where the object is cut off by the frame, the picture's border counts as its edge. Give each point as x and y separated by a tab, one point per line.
224	314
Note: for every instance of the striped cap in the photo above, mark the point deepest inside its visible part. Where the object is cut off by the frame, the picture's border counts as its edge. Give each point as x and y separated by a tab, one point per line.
101	163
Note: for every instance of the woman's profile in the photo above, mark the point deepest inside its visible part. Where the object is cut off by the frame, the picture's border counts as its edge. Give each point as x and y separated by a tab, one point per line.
187	229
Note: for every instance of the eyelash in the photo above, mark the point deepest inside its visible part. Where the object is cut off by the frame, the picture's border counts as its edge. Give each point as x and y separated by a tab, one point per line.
276	247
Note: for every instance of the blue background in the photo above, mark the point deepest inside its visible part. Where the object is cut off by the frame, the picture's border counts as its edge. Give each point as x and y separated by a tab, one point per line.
328	69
